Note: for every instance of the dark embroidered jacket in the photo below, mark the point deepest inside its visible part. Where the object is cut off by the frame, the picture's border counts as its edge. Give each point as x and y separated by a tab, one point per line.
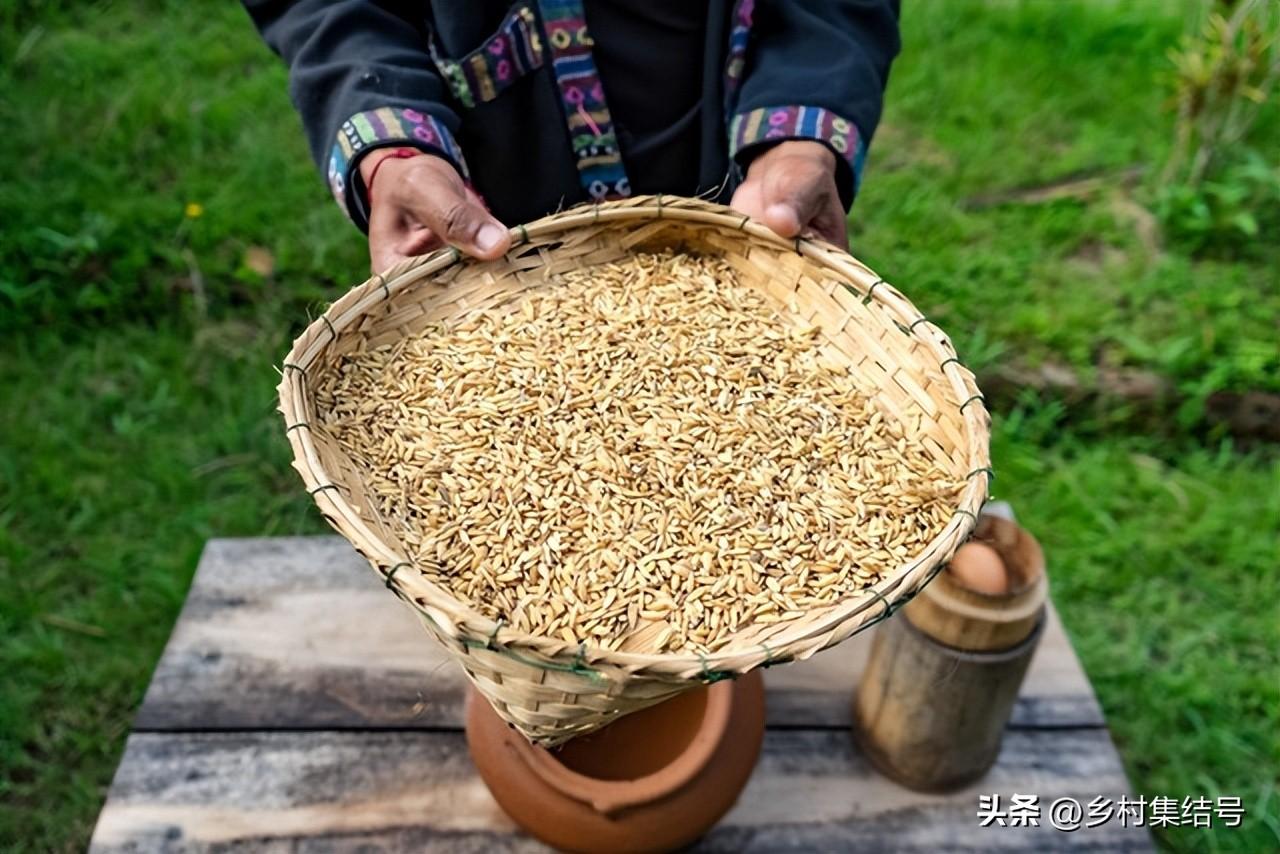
519	108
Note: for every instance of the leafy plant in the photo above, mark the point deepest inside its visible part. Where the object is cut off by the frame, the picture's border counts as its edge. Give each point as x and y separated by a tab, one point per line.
1215	191
1226	212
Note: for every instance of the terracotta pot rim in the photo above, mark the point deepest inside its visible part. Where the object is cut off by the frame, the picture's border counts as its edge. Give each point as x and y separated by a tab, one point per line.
609	796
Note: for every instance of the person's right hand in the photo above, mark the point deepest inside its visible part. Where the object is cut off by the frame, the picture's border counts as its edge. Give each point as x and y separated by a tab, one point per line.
421	203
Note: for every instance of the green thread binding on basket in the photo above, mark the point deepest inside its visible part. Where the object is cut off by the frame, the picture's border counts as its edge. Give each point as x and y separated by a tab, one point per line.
712	676
949	360
332	332
322	487
742	226
293	427
915	323
578	667
971	400
386	290
877	283
769	660
991	473
297	368
493	635
968	513
888	611
472	643
524	234
457	254
391	573
907	597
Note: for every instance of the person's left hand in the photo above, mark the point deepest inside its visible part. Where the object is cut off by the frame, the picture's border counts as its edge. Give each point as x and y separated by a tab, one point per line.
792	189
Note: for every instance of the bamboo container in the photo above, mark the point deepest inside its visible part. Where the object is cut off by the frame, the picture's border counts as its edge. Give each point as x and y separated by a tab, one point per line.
940	683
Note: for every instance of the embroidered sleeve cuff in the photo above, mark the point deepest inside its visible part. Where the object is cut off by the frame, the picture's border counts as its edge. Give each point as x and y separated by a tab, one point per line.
380	128
767	125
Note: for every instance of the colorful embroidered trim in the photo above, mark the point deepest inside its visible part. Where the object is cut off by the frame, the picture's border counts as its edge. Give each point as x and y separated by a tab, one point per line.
800	122
739	39
595	145
512	52
386	125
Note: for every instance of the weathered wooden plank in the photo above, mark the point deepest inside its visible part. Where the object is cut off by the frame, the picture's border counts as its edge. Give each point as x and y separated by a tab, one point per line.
417	791
284	632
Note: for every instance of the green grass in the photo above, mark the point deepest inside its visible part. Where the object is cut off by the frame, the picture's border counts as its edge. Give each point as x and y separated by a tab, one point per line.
1165	565
1022	95
129	449
128	117
136	347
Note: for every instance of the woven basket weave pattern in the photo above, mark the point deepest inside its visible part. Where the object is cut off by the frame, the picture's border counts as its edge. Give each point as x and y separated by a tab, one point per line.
552	690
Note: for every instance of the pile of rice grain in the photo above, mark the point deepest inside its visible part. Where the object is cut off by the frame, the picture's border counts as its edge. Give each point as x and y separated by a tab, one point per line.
644	456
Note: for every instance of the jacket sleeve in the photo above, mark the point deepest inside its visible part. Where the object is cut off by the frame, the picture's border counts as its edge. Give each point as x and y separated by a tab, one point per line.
811	69
361	76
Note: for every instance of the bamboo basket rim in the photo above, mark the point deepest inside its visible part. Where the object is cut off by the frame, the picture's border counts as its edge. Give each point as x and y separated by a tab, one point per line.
452	618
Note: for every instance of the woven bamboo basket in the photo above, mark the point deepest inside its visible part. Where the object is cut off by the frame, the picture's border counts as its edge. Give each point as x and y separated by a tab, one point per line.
552	690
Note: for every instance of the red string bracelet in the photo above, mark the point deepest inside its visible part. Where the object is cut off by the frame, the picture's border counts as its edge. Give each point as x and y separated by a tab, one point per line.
395	153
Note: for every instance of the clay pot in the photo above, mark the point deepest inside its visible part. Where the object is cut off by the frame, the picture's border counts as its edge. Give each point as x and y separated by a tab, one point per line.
654	780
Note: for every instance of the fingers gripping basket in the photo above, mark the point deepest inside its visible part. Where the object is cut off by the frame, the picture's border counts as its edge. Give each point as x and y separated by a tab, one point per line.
552	690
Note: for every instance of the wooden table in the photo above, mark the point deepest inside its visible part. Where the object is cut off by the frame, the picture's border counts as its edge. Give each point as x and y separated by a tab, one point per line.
299	706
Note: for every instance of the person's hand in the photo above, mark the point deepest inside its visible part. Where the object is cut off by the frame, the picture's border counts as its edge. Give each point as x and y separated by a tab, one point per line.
421	203
792	189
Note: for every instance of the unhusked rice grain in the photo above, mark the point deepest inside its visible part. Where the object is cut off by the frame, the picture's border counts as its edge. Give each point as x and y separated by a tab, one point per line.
645	456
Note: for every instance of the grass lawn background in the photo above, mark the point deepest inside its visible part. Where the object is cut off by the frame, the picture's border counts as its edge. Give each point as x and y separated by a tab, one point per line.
137	343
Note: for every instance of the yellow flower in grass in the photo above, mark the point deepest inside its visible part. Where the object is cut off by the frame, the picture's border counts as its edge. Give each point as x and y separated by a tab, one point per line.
194	210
